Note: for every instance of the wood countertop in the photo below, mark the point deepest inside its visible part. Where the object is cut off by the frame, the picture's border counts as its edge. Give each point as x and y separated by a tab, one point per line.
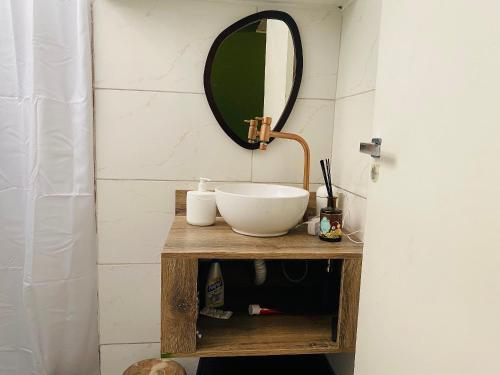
220	242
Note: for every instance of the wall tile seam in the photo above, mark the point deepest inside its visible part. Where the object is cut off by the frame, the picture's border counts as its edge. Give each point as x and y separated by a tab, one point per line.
319	99
274	3
130	343
197	180
350	192
147	90
160	180
355	94
130	264
94	171
188	92
336	82
347	4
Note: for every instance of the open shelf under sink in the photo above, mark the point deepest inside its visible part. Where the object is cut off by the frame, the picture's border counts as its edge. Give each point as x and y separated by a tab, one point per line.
260	335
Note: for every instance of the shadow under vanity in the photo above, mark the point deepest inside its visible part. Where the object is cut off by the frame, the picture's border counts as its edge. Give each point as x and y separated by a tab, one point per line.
320	311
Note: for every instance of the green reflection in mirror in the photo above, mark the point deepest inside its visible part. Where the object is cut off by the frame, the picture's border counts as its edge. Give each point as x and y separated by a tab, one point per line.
238	77
252	73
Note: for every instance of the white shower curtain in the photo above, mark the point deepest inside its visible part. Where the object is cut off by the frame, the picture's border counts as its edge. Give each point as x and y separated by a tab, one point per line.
48	307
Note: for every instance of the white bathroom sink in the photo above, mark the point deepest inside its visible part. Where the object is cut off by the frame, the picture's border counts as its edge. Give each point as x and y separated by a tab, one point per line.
261	210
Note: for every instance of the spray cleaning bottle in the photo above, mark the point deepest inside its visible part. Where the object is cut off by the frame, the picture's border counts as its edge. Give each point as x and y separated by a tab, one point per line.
214	291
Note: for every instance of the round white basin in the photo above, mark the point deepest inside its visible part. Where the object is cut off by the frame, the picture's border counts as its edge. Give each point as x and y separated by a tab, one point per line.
261	210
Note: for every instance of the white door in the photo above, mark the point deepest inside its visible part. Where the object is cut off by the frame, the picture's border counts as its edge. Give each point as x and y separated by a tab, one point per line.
430	294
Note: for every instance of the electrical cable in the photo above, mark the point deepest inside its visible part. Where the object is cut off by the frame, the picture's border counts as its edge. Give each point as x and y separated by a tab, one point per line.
348	235
292	280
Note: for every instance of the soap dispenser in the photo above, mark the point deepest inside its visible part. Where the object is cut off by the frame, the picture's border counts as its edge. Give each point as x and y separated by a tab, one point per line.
201	209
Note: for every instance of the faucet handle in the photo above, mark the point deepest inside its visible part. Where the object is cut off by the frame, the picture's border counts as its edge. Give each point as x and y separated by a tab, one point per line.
252	130
265	120
251	122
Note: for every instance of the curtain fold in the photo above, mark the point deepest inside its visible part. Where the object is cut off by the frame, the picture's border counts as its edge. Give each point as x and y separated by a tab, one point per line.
48	272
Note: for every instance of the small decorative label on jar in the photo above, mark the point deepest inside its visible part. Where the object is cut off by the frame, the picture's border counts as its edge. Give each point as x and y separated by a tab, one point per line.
331	227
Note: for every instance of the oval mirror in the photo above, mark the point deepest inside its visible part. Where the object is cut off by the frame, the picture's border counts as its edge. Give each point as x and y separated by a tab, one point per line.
254	68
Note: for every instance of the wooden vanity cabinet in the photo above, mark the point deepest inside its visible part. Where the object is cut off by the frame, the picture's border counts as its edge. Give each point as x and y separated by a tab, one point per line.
186	251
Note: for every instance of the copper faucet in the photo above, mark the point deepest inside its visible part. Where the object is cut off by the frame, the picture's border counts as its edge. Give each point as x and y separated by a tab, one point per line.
264	134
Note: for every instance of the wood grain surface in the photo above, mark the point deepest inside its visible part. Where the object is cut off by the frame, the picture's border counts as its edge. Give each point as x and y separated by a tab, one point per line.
265	335
242	334
349	303
219	241
179	305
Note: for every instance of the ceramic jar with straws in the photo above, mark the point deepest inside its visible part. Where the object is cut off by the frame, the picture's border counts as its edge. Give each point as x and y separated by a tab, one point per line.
330	224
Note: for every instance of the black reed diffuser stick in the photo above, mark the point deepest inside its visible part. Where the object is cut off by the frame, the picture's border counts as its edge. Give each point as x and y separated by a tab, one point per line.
326	176
329	175
330	228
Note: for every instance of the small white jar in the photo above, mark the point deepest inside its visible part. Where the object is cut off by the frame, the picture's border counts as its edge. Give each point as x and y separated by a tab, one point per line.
201	209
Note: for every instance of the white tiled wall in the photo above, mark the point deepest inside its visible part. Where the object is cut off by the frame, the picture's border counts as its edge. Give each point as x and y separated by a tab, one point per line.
353	120
319	32
353	123
283	161
128	296
359	47
354	106
157	45
133	215
155	134
183	138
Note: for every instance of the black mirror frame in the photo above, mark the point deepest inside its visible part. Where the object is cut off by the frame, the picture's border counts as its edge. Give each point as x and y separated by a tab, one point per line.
294	30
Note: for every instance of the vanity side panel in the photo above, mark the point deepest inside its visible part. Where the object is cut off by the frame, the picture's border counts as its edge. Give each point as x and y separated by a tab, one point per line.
179	305
349	304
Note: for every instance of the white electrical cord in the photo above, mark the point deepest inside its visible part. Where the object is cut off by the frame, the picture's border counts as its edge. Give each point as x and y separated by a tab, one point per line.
350	234
303	223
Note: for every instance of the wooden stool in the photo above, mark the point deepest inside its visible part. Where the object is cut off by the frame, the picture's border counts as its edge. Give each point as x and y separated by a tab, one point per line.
155	367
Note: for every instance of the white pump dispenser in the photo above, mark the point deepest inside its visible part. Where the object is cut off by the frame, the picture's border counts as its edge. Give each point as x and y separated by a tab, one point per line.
201	209
202	185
